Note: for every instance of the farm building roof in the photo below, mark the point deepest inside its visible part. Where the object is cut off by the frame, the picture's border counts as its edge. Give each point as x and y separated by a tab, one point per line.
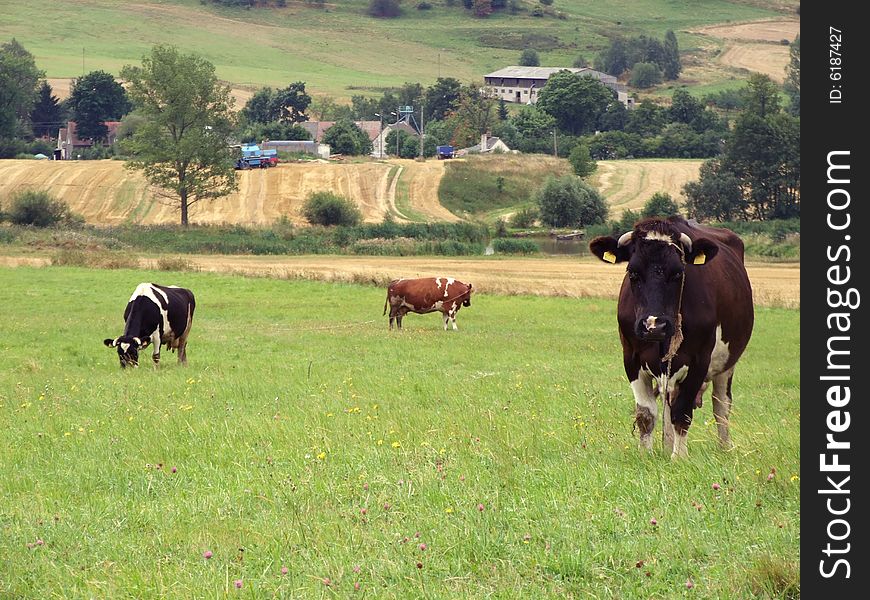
515	72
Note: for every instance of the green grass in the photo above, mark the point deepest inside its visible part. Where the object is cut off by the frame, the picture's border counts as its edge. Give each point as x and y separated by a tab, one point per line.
339	50
489	186
299	409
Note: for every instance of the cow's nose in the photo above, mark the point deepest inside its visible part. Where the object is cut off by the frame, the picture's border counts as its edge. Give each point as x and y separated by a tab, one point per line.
653	327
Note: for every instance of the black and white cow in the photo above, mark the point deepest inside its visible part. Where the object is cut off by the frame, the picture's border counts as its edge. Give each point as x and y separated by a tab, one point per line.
155	315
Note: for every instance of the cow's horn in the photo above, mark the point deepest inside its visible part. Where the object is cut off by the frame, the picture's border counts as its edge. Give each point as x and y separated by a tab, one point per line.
686	241
624	239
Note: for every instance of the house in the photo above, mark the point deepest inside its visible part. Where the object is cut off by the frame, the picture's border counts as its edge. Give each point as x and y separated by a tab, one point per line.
488	144
523	84
379	143
69	144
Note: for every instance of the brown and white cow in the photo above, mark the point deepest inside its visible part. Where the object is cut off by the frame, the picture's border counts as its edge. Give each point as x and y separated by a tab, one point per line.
426	295
685	316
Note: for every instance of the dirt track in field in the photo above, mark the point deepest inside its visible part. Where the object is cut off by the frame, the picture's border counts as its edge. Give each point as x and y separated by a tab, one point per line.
756	46
628	184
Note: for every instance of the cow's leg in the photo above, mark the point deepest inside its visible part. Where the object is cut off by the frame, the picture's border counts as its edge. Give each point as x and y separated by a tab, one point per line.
683	407
155	341
452	314
667	427
722	406
646	408
400	314
446	316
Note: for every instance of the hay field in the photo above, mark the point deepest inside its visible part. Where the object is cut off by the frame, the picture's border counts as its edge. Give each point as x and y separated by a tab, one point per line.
628	184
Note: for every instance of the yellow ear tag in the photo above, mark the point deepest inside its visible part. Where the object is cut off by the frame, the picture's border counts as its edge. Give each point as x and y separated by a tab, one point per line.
609	257
699	259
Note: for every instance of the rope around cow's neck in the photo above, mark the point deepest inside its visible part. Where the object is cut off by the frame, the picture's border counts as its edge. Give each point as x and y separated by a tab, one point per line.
676	341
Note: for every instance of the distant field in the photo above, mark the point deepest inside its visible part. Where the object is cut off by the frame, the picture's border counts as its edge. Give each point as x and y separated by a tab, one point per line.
339	51
309	452
104	192
629	184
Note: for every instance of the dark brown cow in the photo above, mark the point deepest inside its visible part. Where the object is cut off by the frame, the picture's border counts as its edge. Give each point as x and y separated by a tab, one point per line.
426	295
685	316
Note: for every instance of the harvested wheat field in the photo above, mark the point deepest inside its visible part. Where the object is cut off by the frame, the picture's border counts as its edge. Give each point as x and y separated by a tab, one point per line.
105	193
755	46
628	184
773	284
61	86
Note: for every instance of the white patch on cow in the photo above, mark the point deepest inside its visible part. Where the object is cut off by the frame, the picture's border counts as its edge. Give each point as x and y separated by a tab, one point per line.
125	347
655	236
155	341
438	282
450	281
650	322
643	392
438	304
681	448
719	357
669	386
149	291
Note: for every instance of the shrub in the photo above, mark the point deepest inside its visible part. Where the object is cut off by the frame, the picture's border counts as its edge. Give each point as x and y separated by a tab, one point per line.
644	75
568	202
515	246
660	205
384	8
40	209
524	217
326	208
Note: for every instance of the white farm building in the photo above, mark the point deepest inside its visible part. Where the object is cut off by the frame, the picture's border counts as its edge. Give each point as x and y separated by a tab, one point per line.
523	84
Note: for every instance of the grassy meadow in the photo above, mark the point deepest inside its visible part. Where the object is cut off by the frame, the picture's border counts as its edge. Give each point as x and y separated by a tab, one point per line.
312	453
340	51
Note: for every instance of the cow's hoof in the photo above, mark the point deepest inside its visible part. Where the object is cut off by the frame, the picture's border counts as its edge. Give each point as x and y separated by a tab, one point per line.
646	443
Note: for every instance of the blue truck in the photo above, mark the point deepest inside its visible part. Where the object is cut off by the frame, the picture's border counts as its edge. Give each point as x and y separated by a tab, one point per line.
253	157
443	152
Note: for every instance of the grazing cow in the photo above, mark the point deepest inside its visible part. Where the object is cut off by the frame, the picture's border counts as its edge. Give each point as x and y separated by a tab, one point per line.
426	295
155	315
685	316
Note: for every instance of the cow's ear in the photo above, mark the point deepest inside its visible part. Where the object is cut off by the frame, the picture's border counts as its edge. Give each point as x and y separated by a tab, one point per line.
703	251
110	342
144	343
469	287
607	249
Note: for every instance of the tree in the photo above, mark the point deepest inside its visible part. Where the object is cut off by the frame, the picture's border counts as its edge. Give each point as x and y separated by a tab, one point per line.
48	113
715	196
182	148
660	205
672	65
94	99
568	202
474	115
760	96
533	129
581	161
408	145
580	62
287	105
647	119
482	8
793	77
576	102
260	108
645	75
529	58
441	98
384	8
18	79
503	113
344	137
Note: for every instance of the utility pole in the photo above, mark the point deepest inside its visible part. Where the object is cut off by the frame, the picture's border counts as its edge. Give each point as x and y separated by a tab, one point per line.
422	106
380	135
555	148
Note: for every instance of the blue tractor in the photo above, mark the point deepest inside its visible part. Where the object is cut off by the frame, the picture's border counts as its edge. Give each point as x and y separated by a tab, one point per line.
252	157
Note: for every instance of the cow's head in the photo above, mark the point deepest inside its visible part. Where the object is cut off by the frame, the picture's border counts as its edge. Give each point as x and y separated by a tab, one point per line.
467	300
128	349
658	255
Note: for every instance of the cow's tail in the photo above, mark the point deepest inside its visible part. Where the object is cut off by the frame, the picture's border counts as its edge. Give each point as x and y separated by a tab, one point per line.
389	287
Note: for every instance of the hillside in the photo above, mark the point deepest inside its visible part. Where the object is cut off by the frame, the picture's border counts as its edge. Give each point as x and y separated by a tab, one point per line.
340	51
107	194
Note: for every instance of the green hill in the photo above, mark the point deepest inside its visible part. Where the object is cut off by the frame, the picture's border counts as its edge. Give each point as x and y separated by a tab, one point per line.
338	49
